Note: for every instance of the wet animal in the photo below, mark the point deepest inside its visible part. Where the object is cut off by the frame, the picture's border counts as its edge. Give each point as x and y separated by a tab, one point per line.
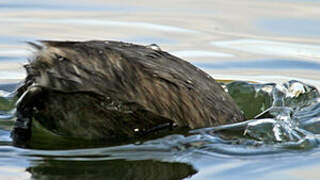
108	89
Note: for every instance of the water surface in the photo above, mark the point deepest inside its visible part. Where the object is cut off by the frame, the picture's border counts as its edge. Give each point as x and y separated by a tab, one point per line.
266	42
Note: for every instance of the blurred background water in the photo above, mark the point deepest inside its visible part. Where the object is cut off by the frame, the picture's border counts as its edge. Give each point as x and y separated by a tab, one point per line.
249	40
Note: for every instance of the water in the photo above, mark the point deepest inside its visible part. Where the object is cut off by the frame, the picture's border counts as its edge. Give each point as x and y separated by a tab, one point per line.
265	42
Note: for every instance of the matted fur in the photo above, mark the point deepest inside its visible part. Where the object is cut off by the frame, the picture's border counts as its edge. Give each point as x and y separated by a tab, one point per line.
146	86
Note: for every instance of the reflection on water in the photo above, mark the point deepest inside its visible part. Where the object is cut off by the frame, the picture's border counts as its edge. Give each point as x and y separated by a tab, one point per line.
252	40
51	5
199	53
95	22
272	48
112	169
292	27
263	64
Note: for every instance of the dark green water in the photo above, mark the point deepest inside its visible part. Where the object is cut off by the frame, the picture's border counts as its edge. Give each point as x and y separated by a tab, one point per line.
266	42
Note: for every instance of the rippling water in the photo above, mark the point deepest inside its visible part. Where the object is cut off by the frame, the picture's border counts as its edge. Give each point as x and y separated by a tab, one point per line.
260	45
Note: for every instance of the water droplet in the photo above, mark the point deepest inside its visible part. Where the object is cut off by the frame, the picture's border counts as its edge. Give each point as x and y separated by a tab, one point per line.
295	89
154	47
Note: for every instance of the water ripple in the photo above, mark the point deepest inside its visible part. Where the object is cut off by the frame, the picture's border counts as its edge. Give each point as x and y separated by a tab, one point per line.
200	53
263	64
102	22
273	48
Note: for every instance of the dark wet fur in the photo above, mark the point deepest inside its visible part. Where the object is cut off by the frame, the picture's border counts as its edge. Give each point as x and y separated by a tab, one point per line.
108	89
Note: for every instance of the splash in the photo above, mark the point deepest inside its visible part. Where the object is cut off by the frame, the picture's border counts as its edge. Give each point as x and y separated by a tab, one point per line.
281	117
